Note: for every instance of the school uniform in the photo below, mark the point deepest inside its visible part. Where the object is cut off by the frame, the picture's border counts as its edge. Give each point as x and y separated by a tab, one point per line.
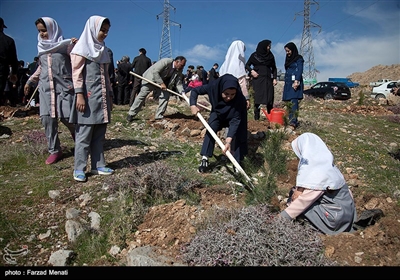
232	114
326	201
91	78
54	78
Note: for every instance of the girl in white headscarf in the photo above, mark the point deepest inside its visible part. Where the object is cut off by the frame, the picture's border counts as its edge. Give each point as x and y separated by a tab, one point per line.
235	64
54	79
93	97
321	195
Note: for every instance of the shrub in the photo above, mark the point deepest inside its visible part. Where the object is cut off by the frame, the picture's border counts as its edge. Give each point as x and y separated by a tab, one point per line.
252	236
36	143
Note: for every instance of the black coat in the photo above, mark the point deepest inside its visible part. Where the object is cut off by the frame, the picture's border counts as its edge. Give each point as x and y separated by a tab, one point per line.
123	73
232	114
140	64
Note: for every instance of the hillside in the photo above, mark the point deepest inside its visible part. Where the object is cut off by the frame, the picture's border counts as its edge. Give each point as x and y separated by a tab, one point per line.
38	198
375	73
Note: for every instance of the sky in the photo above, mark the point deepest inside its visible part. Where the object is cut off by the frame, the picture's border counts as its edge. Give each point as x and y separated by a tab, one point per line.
346	36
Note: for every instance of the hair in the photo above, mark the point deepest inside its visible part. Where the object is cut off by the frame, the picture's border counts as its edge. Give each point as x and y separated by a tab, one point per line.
191	67
199	73
35	58
125	58
143	50
106	21
180	58
215	64
40	20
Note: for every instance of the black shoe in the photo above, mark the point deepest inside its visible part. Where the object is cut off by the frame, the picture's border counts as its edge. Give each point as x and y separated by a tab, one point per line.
203	165
129	118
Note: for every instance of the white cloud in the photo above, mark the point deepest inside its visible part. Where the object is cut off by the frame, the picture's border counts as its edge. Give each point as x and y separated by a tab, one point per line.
200	53
341	58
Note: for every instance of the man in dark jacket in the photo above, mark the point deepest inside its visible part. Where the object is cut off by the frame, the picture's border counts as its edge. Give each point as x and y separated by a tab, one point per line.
124	80
213	74
140	64
8	57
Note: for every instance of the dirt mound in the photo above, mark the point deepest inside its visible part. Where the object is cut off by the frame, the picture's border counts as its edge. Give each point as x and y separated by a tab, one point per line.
375	73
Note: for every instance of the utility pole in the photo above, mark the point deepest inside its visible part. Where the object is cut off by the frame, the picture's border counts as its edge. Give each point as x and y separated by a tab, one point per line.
306	47
165	44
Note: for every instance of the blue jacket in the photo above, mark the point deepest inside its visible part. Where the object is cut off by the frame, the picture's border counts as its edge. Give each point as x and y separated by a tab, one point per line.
296	69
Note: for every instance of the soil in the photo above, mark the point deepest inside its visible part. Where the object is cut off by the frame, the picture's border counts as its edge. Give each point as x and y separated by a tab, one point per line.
377	245
168	226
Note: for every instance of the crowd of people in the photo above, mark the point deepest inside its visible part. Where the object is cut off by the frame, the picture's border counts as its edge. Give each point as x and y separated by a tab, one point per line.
78	84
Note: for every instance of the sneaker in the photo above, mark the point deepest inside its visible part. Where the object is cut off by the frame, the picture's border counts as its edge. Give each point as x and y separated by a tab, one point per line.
79	176
203	165
102	171
129	118
53	158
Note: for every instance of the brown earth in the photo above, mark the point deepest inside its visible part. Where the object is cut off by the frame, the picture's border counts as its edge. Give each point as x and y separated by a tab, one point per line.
375	73
168	226
377	245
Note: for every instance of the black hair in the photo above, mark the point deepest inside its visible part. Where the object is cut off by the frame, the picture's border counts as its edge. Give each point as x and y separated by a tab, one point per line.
143	50
180	58
106	21
40	20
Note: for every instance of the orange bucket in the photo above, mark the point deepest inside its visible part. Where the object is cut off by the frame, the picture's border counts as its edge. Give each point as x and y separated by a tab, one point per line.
276	115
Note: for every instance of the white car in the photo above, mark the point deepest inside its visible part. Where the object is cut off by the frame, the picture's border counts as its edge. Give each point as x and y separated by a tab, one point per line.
383	90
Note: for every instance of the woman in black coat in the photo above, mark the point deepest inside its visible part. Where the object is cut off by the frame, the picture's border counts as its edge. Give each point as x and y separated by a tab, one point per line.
228	109
262	68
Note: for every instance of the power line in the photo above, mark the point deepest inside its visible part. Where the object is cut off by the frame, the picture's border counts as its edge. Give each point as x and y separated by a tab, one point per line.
165	44
306	47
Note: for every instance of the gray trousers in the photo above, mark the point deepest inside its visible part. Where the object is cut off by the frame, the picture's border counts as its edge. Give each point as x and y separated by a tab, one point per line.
89	139
51	130
145	90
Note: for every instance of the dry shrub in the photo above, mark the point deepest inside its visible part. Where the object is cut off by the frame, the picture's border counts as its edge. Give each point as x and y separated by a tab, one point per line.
36	143
253	236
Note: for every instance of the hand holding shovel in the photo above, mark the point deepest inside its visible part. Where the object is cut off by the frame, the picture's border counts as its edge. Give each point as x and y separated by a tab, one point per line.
195	110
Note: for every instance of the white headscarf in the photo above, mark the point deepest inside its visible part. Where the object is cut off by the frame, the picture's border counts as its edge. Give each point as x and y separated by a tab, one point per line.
234	60
316	169
55	40
88	45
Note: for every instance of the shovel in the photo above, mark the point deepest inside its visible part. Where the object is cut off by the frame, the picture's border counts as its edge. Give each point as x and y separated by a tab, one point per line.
209	129
28	105
171	91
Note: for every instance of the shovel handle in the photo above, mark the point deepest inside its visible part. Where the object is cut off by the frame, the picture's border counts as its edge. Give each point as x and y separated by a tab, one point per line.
30	99
207	126
222	146
171	91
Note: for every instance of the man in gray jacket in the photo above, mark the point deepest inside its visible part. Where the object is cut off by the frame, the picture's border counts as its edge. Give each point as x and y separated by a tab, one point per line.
167	73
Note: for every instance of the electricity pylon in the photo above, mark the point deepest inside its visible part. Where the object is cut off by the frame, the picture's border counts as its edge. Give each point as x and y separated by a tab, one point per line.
165	44
306	47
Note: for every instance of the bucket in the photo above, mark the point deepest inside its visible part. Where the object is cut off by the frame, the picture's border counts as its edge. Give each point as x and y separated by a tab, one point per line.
276	115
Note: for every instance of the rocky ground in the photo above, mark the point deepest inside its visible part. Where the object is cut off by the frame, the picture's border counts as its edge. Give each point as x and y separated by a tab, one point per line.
167	226
171	223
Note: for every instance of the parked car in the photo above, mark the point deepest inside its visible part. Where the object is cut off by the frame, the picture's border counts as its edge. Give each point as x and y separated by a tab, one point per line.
383	90
347	81
329	90
379	82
